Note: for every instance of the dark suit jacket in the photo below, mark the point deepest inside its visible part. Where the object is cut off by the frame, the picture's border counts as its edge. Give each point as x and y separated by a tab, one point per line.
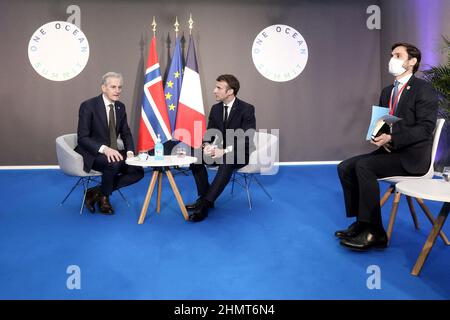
242	116
93	129
412	137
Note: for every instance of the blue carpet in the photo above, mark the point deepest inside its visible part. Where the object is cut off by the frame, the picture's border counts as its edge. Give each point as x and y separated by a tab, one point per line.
283	249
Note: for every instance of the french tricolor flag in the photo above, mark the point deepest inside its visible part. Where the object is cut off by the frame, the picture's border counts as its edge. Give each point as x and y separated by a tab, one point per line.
191	123
154	116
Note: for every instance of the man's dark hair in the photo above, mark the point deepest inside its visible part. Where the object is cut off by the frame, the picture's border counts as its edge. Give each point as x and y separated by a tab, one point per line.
413	52
231	80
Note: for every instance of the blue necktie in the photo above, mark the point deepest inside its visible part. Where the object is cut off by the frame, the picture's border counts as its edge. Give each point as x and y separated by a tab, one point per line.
394	95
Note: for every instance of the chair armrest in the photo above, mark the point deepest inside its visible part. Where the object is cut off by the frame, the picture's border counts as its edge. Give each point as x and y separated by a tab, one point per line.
70	161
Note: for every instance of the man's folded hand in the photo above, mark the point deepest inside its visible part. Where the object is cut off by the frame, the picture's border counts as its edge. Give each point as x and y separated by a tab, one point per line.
381	140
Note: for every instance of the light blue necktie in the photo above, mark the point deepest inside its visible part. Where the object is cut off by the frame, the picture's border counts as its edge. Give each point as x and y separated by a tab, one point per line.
394	95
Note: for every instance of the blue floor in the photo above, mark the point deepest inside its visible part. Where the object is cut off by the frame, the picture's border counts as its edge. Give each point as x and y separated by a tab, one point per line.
283	249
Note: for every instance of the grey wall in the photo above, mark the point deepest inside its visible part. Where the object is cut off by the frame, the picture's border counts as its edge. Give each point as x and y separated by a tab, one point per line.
322	115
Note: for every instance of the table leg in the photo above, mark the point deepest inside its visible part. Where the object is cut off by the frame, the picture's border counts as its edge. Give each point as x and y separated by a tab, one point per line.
158	199
386	195
148	197
431	219
177	194
437	226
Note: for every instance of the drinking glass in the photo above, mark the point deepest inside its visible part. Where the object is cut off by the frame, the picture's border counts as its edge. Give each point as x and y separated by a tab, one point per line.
446	174
181	152
143	156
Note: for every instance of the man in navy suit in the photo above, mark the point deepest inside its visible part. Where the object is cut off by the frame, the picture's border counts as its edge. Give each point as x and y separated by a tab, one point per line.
234	121
405	149
102	120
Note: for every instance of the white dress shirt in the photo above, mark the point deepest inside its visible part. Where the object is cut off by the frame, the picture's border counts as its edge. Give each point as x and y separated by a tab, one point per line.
229	105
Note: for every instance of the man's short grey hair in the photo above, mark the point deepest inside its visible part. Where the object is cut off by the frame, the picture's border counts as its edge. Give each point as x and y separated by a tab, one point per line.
111	74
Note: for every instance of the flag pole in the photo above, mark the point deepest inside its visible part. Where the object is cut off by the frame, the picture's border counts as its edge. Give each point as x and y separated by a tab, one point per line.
176	25
154	26
191	23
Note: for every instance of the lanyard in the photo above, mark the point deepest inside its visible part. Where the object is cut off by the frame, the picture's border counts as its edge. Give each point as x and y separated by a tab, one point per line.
393	104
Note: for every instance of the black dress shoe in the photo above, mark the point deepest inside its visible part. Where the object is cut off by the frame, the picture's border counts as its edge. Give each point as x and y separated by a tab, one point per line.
105	206
201	212
92	196
366	239
193	206
353	230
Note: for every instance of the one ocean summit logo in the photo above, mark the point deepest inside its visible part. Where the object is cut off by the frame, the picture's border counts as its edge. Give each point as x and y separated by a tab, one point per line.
280	53
58	51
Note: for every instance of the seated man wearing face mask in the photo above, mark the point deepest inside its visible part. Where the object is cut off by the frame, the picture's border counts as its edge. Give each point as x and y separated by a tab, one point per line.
404	150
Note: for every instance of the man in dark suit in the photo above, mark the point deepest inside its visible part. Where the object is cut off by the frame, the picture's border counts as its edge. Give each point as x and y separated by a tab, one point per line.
405	149
102	120
233	122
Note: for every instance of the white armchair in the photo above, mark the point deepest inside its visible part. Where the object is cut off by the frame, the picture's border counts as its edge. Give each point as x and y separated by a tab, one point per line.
394	180
262	161
71	163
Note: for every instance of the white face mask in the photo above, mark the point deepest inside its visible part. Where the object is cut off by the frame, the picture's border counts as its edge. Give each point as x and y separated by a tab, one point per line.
396	66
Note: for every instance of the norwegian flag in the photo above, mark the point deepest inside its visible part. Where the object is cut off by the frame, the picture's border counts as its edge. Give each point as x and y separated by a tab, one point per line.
191	123
154	117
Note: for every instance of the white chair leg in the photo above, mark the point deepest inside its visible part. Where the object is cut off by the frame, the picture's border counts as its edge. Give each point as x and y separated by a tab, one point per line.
233	178
248	177
247	188
393	215
262	187
70	192
85	188
386	195
123	197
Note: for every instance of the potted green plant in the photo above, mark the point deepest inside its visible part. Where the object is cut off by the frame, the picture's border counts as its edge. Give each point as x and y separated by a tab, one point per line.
439	77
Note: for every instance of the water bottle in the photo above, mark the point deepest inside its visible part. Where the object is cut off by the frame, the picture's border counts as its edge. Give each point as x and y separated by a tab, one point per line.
159	149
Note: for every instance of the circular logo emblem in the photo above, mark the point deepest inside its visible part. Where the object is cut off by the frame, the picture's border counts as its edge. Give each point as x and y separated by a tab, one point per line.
58	51
280	53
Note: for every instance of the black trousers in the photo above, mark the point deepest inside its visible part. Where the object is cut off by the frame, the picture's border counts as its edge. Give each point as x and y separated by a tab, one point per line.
358	176
116	174
211	191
